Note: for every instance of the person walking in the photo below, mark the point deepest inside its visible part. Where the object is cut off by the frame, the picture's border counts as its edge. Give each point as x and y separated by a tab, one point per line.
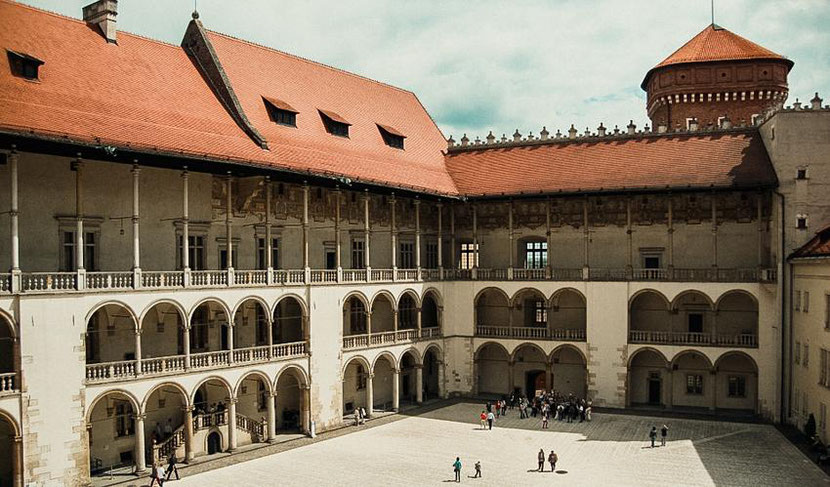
664	431
478	470
483	418
490	419
456	467
357	416
552	459
498	408
545	415
653	435
541	458
171	466
154	478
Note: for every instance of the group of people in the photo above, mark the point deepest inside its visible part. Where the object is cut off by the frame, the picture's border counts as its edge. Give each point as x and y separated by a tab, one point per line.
552	458
159	475
456	468
664	432
359	416
549	406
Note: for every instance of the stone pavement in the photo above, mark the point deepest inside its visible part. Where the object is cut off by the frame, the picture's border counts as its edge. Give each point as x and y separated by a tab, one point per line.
610	450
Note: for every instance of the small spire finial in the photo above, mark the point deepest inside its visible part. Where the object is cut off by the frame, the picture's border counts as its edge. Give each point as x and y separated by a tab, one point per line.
195	13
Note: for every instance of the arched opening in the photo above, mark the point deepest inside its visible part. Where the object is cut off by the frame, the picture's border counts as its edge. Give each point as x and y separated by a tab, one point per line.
692	381
383	376
210	404
289	321
9	474
110	335
529	370
736	383
164	423
431	373
252	396
383	314
530	312
162	334
430	314
570	372
568	315
407	312
648	372
250	325
214	443
354	317
649	318
355	386
492	369
408	392
209	328
492	309
737	319
8	357
112	433
291	402
692	320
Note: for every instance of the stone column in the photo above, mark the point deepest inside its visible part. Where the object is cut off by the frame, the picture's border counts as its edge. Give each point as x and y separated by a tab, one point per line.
232	424
419	383
269	245
475	243
669	385
512	247
396	391
511	383
366	231
440	242
549	376
306	265
549	237
186	345
395	321
629	231
670	238
79	216
138	370
418	237
418	316
713	389
760	216
370	393
188	434
394	235
714	231
230	340
270	320
228	228
272	417
337	240
136	244
140	451
453	244
586	240
186	226
305	412
369	323
14	213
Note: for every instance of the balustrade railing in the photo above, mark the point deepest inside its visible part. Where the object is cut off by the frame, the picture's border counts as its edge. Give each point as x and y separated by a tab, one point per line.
430	274
566	274
8	383
389	337
109	280
287	350
250	278
528	332
110	371
521	274
296	276
407	274
162	279
406	335
692	338
354	275
208	278
162	365
5	283
209	359
431	332
163	450
383	274
50	281
253	427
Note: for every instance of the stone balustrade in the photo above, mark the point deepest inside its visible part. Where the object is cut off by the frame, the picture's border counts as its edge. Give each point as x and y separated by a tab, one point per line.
741	340
353	342
8	383
528	332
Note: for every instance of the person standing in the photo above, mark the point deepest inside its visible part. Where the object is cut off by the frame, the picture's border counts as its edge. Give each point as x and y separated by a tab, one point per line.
456	467
490	419
154	478
478	470
545	415
498	408
653	435
552	459
541	458
483	418
171	466
357	416
664	431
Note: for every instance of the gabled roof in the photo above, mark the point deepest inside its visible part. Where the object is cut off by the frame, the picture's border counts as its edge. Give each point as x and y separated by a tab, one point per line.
653	162
714	43
818	246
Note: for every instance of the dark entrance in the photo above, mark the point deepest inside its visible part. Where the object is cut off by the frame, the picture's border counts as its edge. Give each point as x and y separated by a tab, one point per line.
654	385
224	338
214	443
405	386
695	323
534	381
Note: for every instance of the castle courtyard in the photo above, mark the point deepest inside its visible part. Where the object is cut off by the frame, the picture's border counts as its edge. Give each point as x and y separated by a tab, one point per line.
611	449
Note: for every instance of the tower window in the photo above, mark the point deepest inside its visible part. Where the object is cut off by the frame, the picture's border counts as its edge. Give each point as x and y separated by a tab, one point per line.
23	65
391	137
281	112
801	222
801	173
335	124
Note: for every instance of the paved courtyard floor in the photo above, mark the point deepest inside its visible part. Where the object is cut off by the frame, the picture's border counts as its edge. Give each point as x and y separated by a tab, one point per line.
610	450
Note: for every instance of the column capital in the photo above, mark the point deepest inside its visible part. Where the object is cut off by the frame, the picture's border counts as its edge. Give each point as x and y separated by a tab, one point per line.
232	401
139	417
418	366
136	168
417	201
185	173
188	409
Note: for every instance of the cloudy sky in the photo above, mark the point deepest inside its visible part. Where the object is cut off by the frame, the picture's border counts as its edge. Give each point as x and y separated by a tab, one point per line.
489	65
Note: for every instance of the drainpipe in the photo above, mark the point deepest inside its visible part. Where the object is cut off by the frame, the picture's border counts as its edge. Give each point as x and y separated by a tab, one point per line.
786	318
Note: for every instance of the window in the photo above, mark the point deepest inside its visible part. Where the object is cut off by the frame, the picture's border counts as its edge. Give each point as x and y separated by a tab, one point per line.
797	301
651	258
23	65
361	378
432	255
391	137
737	386
331	257
694	384
335	124
823	375
651	262
801	173
805	304
805	359
798	352
801	222
695	322
123	419
261	253
540	313
536	255
407	255
195	252
469	256
223	255
68	263
281	112
358	249
357	316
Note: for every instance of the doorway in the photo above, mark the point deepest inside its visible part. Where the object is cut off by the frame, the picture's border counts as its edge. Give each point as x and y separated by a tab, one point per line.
534	381
654	389
214	443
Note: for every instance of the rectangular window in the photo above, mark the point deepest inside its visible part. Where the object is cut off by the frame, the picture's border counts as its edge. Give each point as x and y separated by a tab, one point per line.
737	386
536	255
695	322
469	256
261	253
432	255
358	249
24	65
805	304
797	301
195	252
223	256
280	112
540	313
68	252
335	124
651	262
801	173
694	384
823	364
68	263
407	255
391	137
331	258
123	419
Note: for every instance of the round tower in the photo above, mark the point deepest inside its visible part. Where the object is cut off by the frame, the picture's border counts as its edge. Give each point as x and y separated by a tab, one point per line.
716	74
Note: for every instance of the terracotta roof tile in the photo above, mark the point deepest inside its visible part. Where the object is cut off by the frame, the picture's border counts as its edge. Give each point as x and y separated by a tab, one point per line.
280	104
735	159
818	246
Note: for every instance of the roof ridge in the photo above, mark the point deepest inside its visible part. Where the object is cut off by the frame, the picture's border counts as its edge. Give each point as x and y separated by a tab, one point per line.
310	61
81	21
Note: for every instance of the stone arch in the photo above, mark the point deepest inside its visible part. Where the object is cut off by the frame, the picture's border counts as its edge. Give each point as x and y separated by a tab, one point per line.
408	308
732	292
648	377
262	303
527	290
289	325
355	314
438	351
299	374
568	314
736	318
257	373
292	399
648	291
569	371
491	363
383	311
10	322
681	354
386	295
411	292
178	307
9	356
204	381
492	307
531	345
494	344
157	387
122	392
208	300
436	295
113	302
568	346
739	353
529	308
209	331
384	355
110	333
299	300
693	312
162	340
647	349
529	364
432	361
412	352
244	335
649	311
431	309
558	293
4	415
499	291
693	380
683	295
359	295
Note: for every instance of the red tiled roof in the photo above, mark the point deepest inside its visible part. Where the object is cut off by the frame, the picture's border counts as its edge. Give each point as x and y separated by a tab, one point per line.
280	104
735	159
714	43
818	246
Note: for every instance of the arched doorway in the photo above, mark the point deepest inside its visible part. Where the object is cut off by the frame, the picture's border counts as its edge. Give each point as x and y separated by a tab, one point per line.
354	316
569	371
736	383
692	381
529	370
10	453
111	335
292	402
568	315
112	433
491	361
383	377
250	325
407	312
430	312
289	321
214	443
408	392
355	385
162	335
647	384
432	374
383	313
164	422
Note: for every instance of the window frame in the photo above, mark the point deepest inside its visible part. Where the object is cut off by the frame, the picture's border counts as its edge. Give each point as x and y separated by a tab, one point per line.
694	385
739	390
535	254
469	254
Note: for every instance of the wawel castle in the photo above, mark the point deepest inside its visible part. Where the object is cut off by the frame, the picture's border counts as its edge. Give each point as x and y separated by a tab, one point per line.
213	245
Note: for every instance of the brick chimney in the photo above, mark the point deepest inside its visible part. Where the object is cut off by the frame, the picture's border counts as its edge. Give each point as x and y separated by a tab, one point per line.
102	14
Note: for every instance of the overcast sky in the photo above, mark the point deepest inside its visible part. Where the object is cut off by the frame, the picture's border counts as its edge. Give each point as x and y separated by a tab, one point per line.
487	65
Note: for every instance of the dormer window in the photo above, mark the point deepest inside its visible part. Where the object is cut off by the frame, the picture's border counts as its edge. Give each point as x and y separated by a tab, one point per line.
23	65
280	112
391	137
335	124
